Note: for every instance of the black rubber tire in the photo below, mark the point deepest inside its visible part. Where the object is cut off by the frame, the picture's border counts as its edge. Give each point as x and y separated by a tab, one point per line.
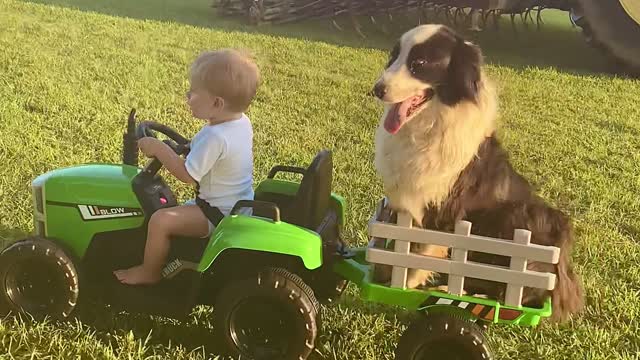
608	27
293	316
442	336
306	289
327	285
331	288
48	271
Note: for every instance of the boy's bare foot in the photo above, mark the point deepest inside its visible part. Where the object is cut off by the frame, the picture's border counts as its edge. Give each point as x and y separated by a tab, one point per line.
137	275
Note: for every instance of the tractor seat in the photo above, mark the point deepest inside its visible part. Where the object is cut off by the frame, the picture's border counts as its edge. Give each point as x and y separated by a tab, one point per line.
312	201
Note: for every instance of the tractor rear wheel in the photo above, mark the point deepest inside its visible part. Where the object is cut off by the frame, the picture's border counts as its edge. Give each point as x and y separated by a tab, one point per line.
613	26
271	315
37	277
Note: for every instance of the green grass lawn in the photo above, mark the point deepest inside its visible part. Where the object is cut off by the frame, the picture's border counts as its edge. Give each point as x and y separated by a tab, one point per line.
70	70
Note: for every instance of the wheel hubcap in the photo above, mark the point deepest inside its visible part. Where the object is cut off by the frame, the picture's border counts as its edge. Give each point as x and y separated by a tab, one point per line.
632	7
443	349
35	286
262	328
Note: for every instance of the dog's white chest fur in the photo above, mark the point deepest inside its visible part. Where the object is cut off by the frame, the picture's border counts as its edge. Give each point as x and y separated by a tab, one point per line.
420	164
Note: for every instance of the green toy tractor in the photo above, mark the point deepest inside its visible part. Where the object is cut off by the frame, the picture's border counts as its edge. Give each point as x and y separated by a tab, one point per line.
264	273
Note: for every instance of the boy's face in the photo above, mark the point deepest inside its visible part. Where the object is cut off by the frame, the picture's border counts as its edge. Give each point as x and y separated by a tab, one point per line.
203	105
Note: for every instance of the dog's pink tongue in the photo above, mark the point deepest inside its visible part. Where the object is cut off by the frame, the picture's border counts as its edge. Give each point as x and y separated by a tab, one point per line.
397	114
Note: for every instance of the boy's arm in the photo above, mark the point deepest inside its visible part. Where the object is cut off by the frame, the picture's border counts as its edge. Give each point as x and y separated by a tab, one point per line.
169	159
174	164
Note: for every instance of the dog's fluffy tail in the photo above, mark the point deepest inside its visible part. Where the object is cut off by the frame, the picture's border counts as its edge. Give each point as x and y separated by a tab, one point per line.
548	227
551	227
568	295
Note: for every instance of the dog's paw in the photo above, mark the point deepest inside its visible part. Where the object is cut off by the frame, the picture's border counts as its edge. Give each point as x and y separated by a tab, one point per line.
444	288
382	273
418	278
482	296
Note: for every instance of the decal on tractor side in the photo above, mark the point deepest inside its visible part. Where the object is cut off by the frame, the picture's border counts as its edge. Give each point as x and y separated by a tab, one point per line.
479	310
93	212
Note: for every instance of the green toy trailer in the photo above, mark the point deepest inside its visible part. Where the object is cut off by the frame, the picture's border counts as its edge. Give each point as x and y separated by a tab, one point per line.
264	273
450	325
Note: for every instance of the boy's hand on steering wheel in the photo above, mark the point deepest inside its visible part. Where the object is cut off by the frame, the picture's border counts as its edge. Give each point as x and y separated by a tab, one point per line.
149	146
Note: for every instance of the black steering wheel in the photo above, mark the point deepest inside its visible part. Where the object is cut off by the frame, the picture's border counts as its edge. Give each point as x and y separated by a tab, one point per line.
177	142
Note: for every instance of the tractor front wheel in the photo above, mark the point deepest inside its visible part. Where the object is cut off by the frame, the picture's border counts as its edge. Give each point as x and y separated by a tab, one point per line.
271	315
613	26
442	336
38	278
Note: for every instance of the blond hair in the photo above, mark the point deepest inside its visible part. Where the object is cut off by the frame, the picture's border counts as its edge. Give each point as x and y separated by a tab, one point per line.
229	74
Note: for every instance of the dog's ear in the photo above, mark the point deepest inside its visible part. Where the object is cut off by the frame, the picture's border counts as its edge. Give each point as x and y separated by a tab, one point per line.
463	72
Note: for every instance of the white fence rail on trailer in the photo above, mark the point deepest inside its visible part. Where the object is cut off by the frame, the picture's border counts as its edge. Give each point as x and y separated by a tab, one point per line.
520	250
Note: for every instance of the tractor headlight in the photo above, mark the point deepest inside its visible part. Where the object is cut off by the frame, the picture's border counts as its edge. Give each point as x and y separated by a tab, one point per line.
37	196
38	214
40	228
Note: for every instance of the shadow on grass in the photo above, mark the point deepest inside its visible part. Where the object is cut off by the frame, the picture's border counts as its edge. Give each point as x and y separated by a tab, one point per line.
195	334
9	236
113	330
618	128
556	45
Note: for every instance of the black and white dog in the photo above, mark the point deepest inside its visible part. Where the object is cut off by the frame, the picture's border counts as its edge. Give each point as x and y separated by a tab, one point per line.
437	154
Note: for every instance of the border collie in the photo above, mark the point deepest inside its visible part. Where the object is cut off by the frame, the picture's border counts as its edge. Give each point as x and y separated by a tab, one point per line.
439	159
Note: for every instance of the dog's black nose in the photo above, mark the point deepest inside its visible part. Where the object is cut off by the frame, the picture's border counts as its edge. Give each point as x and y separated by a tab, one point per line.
380	90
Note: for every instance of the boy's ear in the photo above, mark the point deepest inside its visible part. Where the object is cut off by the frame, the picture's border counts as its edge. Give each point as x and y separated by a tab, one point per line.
218	102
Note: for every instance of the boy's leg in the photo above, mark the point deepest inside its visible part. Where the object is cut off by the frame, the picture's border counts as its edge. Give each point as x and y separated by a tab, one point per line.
187	220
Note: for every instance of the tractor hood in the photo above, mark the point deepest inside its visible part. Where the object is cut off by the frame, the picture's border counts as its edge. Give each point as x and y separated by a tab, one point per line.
100	184
74	204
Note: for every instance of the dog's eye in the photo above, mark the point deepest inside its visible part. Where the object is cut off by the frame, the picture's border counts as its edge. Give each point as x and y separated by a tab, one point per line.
417	64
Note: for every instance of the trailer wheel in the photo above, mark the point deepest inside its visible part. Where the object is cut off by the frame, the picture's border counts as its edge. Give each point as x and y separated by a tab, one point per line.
38	278
442	336
267	316
613	27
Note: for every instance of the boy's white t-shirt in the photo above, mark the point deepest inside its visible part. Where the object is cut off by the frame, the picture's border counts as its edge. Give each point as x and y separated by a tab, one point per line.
221	161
